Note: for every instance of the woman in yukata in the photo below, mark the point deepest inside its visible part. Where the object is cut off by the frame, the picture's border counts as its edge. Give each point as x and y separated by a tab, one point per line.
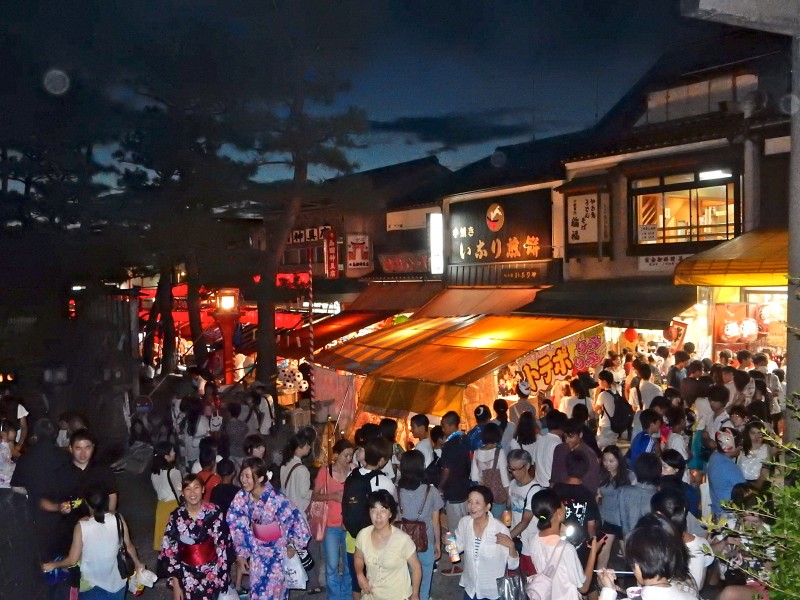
197	550
266	529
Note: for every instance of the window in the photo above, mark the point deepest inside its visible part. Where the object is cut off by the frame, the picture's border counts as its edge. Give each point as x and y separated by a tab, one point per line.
684	208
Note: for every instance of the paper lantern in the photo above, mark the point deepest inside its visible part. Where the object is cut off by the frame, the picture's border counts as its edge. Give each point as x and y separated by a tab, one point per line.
730	333
630	334
767	313
670	334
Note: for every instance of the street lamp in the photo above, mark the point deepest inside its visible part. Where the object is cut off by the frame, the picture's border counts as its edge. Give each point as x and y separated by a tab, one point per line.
227	316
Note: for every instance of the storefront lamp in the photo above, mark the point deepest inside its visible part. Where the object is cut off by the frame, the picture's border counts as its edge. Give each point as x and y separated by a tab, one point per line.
228	300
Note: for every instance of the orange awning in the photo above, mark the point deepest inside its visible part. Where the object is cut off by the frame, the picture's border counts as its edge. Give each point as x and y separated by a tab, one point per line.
396	296
477	301
431	376
296	343
755	259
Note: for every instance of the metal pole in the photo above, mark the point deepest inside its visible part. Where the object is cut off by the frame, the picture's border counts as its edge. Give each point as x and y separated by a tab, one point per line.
311	327
793	317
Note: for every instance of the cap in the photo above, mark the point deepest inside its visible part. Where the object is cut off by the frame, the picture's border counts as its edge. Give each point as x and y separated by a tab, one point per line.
524	388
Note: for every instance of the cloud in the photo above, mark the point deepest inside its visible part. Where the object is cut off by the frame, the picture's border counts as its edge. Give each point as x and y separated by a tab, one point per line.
455	130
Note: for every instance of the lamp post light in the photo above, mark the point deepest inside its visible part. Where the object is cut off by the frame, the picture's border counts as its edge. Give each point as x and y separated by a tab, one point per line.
227	315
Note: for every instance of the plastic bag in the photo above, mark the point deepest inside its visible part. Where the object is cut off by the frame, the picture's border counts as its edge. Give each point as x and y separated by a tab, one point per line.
511	586
140	580
296	576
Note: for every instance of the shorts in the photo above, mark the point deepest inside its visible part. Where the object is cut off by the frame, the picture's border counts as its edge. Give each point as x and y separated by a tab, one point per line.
611	529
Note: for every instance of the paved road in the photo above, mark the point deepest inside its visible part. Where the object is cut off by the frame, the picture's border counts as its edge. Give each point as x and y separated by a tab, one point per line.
137	504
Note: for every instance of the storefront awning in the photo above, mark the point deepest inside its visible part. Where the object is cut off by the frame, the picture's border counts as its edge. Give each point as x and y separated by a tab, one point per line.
432	376
367	353
296	343
476	301
396	296
754	259
649	303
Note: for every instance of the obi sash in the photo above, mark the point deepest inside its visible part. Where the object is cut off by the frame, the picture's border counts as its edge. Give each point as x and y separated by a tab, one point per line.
196	555
267	532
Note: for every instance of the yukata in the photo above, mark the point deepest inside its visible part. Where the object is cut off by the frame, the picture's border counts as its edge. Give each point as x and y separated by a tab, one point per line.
187	552
267	579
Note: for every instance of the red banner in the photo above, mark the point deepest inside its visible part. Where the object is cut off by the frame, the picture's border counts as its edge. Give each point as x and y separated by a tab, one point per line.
331	255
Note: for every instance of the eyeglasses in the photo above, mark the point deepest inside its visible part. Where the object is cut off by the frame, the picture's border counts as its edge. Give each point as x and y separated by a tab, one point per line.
512	469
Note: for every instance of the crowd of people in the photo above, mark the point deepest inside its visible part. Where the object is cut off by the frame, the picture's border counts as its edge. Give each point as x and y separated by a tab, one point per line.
604	486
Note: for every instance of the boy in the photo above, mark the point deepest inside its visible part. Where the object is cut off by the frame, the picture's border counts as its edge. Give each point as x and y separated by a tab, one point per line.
649	438
419	429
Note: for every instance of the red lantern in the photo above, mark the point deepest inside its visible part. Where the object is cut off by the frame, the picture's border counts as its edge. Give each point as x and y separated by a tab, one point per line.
670	333
630	334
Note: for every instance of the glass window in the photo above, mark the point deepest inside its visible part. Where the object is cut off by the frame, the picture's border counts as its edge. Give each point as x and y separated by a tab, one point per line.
693	214
646	183
680	178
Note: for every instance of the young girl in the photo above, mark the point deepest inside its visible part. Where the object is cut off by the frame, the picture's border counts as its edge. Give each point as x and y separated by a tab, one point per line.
548	548
755	455
8	452
615	474
166	480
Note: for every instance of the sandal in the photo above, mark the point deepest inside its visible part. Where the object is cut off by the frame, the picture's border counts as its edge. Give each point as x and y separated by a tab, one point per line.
316	590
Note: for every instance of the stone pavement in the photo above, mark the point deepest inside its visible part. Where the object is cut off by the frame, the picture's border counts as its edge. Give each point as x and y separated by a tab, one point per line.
137	504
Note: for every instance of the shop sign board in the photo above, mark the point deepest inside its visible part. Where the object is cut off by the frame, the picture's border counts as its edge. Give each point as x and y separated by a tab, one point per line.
648	233
304	235
660	264
582	218
331	255
513	228
404	262
358	255
559	361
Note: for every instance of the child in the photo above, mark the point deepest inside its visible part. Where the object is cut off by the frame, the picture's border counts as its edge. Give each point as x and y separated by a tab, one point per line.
8	452
649	438
208	471
225	490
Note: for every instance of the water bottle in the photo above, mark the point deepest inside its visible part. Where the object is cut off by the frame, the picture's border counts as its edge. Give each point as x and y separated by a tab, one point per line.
452	548
506	518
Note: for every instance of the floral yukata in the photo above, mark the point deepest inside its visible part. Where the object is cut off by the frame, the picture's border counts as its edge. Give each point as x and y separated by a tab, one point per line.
182	535
266	558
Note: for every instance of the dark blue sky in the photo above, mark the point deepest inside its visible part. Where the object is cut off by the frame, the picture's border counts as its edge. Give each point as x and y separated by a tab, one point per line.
458	78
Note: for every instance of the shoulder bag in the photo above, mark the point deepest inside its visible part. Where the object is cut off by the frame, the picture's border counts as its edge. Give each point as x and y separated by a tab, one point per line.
540	586
124	560
416	529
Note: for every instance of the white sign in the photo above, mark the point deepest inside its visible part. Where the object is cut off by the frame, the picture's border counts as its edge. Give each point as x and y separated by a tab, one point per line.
660	264
648	233
582	218
358	252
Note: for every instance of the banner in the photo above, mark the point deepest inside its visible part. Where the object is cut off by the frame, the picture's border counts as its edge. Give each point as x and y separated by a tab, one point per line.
561	360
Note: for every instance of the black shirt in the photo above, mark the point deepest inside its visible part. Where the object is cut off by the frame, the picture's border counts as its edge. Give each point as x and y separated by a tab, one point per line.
580	505
455	457
222	495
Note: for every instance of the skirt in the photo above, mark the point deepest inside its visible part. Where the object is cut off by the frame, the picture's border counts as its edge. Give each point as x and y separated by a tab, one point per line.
163	510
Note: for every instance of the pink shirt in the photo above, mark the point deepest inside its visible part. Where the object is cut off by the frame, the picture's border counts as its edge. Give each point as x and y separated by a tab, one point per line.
334	508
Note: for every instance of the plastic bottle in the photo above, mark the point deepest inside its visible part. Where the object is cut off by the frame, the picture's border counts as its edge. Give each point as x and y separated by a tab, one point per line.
452	548
506	518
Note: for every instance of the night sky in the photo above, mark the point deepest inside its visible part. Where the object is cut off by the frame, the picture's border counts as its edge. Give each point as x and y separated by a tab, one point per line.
459	78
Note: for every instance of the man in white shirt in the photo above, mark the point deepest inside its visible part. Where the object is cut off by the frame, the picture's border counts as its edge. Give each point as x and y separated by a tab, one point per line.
266	407
545	447
604	407
419	429
642	395
717	399
760	361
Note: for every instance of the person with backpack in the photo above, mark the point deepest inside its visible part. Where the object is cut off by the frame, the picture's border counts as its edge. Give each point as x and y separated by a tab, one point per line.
420	502
357	487
559	571
616	415
489	467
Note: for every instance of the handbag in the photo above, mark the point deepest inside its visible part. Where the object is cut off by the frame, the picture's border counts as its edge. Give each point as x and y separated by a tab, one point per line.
124	560
416	529
305	558
493	480
540	586
511	586
318	514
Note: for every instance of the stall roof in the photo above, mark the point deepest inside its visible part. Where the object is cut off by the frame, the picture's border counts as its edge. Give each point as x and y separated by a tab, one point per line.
431	376
296	343
624	302
396	296
476	301
365	354
757	259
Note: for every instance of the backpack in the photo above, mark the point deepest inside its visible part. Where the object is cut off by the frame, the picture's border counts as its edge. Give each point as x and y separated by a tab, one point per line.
492	479
433	472
623	414
540	586
355	514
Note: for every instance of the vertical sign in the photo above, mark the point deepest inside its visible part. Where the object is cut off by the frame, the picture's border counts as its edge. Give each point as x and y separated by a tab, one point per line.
331	255
582	218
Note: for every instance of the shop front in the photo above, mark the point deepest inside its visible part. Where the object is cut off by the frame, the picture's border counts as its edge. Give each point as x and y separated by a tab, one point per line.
744	283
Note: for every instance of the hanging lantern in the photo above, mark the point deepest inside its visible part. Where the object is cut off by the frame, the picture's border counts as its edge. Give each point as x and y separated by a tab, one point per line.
749	330
670	334
630	334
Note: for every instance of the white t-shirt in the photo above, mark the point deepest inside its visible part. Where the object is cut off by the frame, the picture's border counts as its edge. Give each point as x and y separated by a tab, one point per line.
542	456
426	448
717	423
703	413
483	459
573	401
569	576
22	412
520	499
700	558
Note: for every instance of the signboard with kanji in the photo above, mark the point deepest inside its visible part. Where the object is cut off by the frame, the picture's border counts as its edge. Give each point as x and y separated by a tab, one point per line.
509	228
561	360
331	255
583	218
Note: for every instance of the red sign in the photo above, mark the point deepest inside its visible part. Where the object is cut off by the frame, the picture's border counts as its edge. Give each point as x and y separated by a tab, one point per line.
331	255
404	262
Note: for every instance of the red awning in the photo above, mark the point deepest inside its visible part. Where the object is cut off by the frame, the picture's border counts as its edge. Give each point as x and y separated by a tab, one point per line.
297	343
